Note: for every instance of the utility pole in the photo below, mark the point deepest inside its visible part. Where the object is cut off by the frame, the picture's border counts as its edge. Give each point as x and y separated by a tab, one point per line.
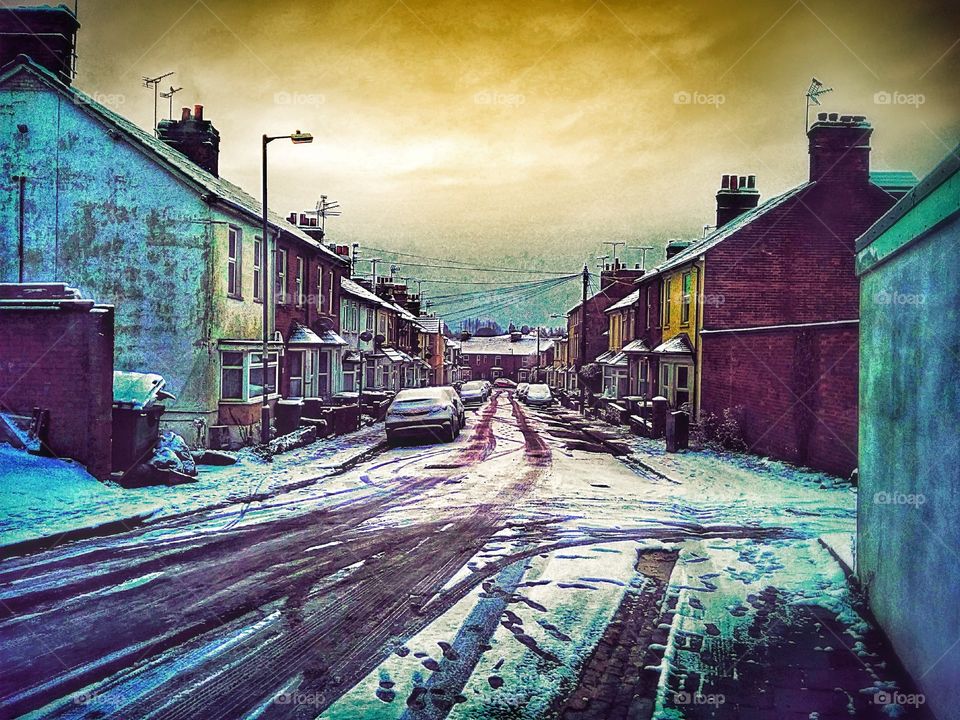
583	340
373	270
353	259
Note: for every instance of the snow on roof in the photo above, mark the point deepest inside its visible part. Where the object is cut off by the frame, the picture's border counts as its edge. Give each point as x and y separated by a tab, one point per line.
430	324
629	300
635	346
503	345
230	195
303	335
678	344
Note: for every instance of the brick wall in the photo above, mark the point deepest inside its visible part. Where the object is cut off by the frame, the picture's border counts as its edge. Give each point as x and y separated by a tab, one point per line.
794	392
59	357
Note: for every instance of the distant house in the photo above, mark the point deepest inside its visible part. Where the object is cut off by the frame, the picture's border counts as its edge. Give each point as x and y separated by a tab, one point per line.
146	224
513	356
908	504
433	348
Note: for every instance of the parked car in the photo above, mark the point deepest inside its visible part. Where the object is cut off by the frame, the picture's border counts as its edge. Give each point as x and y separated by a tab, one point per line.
424	411
522	390
473	393
539	396
458	404
504	383
489	386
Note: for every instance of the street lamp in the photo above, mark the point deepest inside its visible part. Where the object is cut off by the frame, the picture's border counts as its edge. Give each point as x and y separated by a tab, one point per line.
297	138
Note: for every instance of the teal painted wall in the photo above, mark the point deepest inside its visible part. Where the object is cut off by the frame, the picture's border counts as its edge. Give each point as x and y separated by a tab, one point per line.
909	499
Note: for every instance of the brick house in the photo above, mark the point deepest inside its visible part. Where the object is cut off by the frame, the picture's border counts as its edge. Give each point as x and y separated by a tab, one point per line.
307	277
146	224
616	282
760	317
513	356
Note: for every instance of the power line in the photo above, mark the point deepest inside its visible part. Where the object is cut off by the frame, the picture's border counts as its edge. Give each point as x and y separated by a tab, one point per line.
482	293
458	264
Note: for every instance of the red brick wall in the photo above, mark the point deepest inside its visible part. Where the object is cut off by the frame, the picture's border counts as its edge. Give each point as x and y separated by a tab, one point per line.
61	360
794	391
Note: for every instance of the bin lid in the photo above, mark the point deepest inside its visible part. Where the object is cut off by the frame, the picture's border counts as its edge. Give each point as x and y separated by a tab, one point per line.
137	390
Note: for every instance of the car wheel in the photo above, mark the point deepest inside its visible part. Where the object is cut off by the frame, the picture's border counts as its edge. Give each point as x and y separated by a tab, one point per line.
452	432
391	440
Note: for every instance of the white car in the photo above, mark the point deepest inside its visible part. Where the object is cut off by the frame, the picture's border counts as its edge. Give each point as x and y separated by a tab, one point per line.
538	395
424	411
473	392
522	390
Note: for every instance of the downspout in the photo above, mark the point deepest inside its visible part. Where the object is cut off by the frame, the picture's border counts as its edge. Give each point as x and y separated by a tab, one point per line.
696	341
21	210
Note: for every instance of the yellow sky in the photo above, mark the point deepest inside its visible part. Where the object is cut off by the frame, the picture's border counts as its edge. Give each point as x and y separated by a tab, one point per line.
521	128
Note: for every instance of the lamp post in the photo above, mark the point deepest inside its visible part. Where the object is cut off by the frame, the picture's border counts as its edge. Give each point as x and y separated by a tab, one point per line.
366	336
297	138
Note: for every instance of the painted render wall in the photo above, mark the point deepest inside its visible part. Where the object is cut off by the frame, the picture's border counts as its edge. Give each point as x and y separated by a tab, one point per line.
908	502
104	216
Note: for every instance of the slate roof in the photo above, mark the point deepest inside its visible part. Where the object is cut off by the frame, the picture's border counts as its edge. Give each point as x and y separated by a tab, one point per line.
635	346
893	180
502	345
218	188
302	335
677	345
429	324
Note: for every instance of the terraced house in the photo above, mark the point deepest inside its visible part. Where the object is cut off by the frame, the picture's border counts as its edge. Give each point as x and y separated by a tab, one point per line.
89	199
760	317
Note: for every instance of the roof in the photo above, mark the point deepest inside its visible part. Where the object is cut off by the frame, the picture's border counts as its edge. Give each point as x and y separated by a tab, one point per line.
635	346
220	189
430	324
503	345
932	201
302	335
359	291
629	300
612	358
893	180
677	345
723	232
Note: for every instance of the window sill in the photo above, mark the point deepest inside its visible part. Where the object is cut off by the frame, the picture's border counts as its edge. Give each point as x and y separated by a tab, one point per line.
233	296
256	400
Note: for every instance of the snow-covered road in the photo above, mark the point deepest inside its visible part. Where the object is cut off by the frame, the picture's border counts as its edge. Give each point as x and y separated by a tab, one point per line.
522	571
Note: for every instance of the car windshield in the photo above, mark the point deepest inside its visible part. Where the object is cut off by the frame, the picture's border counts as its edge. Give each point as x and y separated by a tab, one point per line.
409	397
470	386
538	391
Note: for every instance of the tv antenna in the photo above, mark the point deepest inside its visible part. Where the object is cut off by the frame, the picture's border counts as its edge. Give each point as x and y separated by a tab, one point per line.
601	261
325	208
814	92
613	246
643	256
149	82
169	96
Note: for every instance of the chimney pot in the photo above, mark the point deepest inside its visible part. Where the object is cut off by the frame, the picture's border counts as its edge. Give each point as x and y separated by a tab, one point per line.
198	112
822	117
292	218
751	181
184	114
725	182
303	219
833	117
733	182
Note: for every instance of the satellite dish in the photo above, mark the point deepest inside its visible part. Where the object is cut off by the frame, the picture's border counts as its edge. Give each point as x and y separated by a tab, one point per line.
366	336
379	339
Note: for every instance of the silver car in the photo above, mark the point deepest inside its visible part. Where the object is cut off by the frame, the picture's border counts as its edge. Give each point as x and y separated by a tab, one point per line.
473	392
538	395
434	411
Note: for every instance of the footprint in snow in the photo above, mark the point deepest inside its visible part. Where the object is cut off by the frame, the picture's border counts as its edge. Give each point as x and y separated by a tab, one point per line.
496	682
430	664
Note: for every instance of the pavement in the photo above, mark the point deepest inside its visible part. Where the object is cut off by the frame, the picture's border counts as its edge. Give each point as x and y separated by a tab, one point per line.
522	571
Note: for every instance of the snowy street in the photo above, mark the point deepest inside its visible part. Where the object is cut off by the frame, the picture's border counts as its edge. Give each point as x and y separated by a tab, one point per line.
536	567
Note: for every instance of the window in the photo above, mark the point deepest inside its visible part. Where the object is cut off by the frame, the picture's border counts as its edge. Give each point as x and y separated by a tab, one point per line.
649	307
496	361
299	282
255	375
234	260
370	319
282	276
231	376
676	383
329	289
665	304
323	373
241	375
257	270
683	377
686	285
666	382
295	382
320	289
643	381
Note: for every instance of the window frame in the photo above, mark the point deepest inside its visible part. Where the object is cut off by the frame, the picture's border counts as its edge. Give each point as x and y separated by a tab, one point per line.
257	269
686	294
235	262
248	364
280	275
665	303
298	283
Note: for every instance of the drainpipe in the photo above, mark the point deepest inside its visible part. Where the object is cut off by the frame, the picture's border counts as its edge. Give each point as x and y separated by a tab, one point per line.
21	186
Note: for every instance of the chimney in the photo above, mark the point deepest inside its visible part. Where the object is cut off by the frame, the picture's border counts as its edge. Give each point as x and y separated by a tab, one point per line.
737	195
675	246
193	136
840	149
47	35
515	337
